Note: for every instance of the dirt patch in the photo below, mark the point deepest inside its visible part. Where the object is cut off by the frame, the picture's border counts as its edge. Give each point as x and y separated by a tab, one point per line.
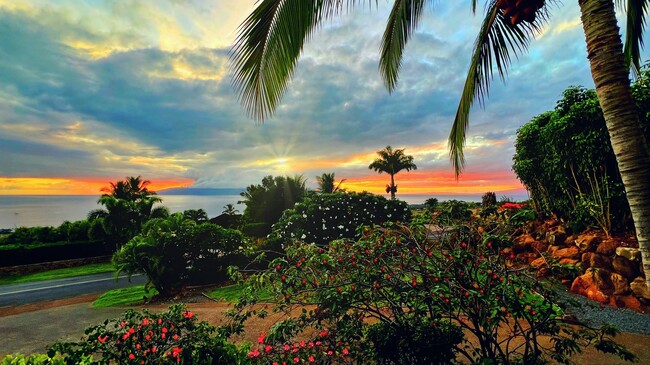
30	330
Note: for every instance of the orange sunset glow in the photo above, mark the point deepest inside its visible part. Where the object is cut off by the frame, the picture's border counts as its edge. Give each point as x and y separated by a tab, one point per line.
67	186
437	182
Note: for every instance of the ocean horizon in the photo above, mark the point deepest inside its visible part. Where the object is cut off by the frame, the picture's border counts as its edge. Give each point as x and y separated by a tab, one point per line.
52	210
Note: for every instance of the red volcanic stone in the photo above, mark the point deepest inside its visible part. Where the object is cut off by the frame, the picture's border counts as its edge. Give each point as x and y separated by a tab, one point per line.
539	246
600	261
639	288
586	285
526	239
625	267
603	280
570	240
607	248
567	253
587	242
538	262
568	261
626	301
620	284
630	253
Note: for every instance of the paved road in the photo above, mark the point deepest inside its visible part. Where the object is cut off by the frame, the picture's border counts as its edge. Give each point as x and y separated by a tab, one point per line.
17	294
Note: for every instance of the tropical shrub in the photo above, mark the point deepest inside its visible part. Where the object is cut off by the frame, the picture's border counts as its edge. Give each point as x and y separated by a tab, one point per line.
454	211
431	204
325	217
265	202
565	160
419	282
175	252
489	199
172	337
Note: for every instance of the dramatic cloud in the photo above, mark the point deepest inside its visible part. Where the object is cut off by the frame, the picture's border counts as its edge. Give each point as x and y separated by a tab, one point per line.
97	90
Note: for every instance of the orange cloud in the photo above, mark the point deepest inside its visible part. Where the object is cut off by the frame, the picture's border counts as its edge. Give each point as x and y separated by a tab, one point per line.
73	186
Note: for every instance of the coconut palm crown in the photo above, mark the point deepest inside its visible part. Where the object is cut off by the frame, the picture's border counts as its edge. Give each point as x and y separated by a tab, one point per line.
271	39
391	162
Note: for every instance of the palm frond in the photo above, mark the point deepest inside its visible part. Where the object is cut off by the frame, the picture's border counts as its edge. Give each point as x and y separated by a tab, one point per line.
402	22
497	42
637	12
269	44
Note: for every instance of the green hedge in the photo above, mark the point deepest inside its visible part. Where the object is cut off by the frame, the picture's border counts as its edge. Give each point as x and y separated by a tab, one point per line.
46	252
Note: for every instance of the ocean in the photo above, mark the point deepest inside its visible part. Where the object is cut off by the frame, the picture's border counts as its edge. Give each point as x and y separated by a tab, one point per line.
52	210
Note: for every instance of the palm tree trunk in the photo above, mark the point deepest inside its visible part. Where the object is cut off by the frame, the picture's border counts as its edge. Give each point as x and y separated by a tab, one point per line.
611	77
392	186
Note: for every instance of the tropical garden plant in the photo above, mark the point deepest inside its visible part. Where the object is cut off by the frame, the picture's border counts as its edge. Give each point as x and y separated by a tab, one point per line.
265	202
128	205
172	337
399	290
271	40
321	218
327	183
391	162
175	252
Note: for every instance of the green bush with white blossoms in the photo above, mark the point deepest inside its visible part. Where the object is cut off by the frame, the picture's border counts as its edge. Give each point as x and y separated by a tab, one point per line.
321	218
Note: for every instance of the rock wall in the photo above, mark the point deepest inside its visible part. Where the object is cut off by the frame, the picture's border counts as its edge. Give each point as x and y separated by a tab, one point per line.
609	268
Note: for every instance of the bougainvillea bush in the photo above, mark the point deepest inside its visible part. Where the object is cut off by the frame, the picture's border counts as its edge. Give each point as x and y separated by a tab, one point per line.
321	218
172	337
399	289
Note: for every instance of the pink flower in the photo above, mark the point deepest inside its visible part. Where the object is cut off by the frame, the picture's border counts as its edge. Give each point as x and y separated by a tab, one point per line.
296	360
311	359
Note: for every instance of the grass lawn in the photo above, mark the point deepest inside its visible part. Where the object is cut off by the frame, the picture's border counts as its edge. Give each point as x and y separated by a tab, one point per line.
134	295
231	293
58	273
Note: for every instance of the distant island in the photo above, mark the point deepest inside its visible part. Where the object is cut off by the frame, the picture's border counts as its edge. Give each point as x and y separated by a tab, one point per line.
201	191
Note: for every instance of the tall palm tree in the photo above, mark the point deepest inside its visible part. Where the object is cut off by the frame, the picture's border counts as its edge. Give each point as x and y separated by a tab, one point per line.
229	209
392	162
271	39
327	183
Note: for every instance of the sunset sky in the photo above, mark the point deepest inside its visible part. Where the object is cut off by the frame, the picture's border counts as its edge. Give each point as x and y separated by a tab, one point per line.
93	91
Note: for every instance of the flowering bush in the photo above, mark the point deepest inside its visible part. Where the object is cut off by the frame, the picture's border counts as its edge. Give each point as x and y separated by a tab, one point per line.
321	350
173	337
418	281
325	217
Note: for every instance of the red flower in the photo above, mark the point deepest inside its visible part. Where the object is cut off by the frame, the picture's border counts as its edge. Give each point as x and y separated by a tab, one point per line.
311	359
345	352
268	348
323	333
102	339
296	360
261	338
131	356
188	315
253	354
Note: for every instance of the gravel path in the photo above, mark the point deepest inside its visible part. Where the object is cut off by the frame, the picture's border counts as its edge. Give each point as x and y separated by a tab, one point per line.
594	314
